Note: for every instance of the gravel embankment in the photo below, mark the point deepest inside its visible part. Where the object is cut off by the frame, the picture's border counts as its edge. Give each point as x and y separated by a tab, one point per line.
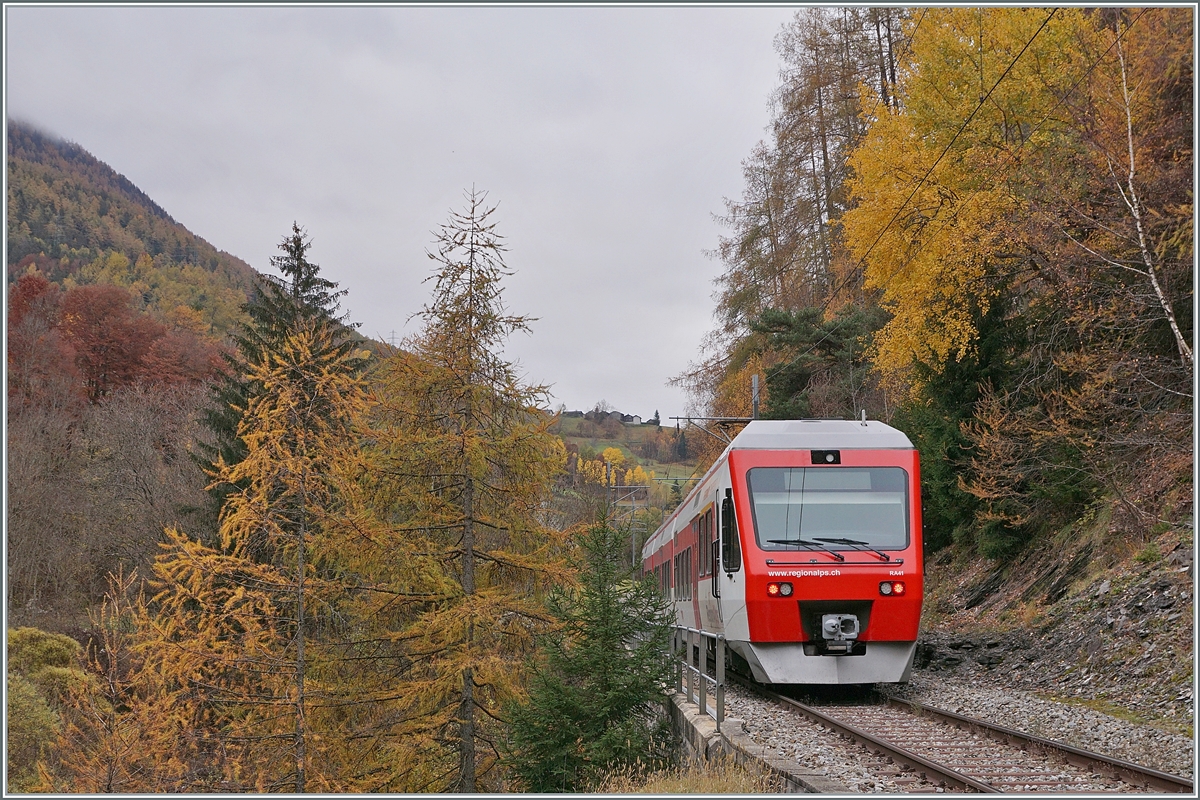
1074	725
815	748
812	746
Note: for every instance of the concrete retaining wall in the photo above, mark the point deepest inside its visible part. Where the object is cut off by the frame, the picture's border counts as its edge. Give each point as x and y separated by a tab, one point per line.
702	742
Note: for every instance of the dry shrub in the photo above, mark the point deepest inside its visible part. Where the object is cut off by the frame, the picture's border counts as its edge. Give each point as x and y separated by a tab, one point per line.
719	776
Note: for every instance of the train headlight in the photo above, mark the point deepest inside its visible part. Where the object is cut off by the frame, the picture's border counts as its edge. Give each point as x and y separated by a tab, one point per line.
779	589
891	588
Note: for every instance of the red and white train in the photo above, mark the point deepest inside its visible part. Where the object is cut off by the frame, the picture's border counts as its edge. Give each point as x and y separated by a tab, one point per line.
802	545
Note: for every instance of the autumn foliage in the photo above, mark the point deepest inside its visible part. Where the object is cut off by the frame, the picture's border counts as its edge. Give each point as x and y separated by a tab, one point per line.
333	572
374	585
102	400
91	341
991	248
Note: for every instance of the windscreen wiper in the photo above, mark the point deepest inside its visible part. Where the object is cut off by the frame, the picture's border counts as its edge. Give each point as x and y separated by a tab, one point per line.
810	545
859	544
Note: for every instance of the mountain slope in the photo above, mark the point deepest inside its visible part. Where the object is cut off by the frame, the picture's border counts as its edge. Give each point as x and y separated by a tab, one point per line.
74	217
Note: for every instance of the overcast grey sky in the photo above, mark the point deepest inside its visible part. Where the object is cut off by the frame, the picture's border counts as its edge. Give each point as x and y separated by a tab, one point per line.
607	136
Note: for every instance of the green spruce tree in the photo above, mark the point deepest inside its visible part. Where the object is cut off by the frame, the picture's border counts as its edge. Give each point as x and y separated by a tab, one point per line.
281	305
596	698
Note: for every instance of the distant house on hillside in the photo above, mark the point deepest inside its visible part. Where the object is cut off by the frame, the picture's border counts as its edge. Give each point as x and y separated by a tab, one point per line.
596	415
599	415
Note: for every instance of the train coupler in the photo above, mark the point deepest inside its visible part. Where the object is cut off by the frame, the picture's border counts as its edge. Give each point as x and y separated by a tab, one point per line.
840	632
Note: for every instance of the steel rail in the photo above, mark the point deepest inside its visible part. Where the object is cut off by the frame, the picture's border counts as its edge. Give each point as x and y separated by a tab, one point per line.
1117	769
1127	771
929	770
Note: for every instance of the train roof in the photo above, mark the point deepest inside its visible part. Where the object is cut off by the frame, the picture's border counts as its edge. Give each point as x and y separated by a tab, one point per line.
793	434
819	434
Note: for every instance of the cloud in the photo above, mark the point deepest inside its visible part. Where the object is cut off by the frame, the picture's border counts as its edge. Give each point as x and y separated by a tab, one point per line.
608	136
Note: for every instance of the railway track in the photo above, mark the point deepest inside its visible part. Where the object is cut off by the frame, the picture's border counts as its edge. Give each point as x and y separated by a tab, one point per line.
920	748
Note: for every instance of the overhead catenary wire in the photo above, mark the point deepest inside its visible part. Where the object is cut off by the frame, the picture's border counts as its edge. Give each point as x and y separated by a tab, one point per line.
961	129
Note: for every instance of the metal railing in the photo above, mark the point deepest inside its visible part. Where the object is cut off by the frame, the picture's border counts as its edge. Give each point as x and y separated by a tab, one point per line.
689	649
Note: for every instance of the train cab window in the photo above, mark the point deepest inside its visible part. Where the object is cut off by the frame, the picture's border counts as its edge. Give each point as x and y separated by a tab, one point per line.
731	547
842	508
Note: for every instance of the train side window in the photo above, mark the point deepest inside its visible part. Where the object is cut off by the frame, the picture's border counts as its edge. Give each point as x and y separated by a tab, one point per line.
715	555
731	549
696	529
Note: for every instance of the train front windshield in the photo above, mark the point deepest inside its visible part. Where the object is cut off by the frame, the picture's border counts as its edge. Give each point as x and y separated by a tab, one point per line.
829	507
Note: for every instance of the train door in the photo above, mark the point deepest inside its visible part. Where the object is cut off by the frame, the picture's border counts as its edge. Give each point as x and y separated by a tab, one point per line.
707	592
728	579
713	557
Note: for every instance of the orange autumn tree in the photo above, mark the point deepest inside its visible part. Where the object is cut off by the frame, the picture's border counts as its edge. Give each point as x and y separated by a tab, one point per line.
246	631
1025	211
123	730
938	213
454	523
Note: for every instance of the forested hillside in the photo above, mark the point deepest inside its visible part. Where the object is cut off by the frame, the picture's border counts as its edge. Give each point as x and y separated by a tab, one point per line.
117	321
78	221
268	558
977	224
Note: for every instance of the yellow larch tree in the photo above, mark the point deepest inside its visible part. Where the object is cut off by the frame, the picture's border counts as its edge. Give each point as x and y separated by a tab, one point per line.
123	730
613	456
938	213
247	638
454	486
